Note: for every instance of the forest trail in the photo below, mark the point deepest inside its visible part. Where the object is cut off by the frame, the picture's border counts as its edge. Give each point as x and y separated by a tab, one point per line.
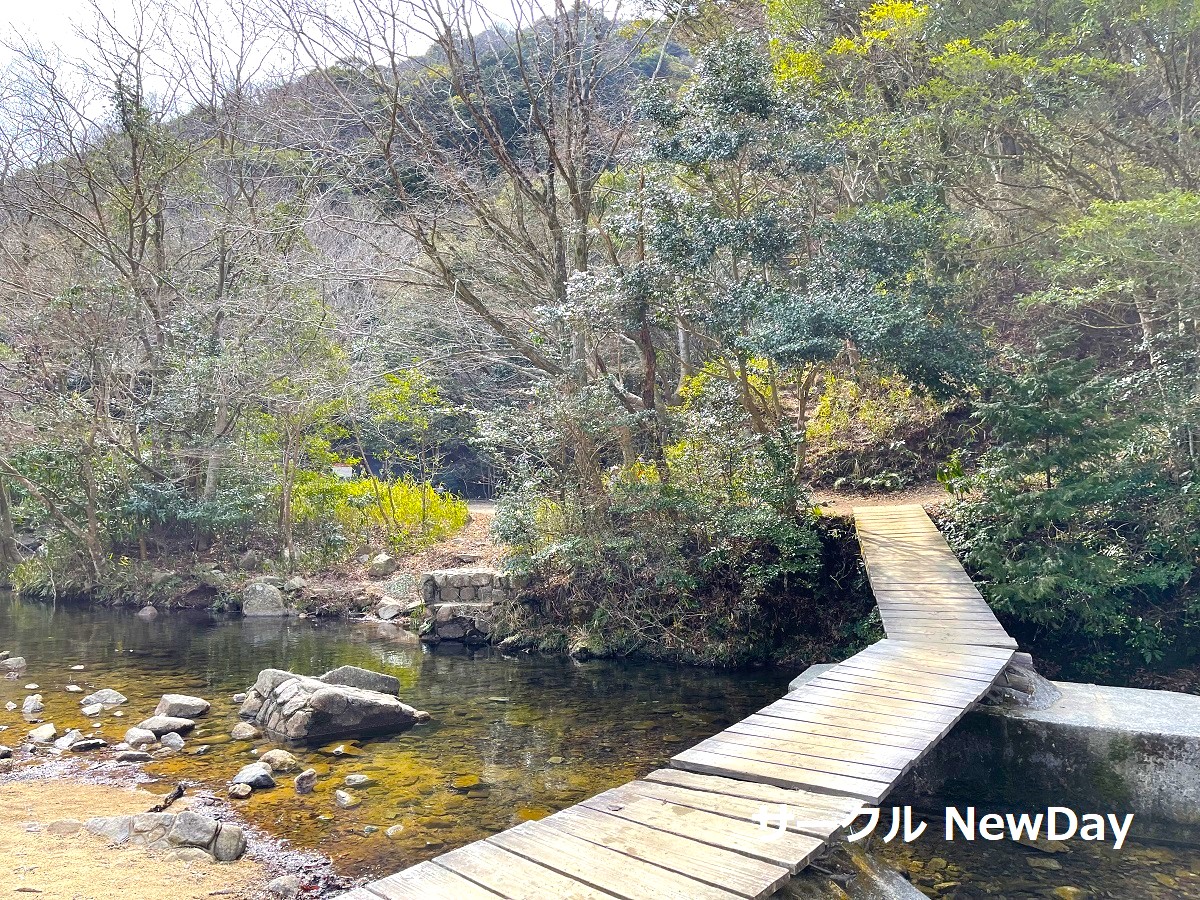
805	764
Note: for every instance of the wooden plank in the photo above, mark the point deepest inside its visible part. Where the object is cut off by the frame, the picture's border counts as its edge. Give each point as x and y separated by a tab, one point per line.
903	709
514	877
823	823
980	658
843	753
916	673
908	679
1001	656
818	745
427	881
710	763
601	868
712	864
940	696
774	725
790	710
751	790
850	768
792	851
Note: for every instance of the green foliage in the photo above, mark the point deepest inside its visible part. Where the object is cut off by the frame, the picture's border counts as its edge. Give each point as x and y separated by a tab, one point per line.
1069	525
335	516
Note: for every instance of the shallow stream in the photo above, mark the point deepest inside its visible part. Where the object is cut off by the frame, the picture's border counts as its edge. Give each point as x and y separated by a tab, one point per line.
511	738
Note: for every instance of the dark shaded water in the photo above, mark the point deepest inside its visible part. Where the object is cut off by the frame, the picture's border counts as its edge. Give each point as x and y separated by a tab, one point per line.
538	733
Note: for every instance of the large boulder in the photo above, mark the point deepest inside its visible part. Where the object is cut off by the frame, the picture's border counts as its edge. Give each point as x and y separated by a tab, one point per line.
262	599
181	705
300	708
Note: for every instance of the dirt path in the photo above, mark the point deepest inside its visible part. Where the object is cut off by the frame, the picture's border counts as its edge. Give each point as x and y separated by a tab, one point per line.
44	854
842	503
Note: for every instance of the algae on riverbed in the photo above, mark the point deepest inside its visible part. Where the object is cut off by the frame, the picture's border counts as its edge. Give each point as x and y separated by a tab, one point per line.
565	731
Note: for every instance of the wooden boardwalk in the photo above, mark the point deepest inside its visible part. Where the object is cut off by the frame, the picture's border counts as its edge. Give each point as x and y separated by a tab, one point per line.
820	753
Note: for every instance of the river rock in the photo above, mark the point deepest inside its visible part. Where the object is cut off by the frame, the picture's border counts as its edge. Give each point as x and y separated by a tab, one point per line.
74	689
357	780
279	760
294	584
32	705
389	609
138	736
297	707
32	686
105	697
133	756
172	741
192	830
382	566
262	599
94	710
88	743
353	676
114	829
244	731
10	706
305	781
147	612
345	799
181	705
160	725
286	887
13	664
256	774
43	734
6	753
240	791
65	742
230	843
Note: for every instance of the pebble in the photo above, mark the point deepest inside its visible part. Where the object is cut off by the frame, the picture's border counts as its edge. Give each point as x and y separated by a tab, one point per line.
240	791
77	668
132	756
358	780
555	760
394	832
74	689
32	687
1040	862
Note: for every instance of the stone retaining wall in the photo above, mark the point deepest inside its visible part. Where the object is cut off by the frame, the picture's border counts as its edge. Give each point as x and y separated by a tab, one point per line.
465	586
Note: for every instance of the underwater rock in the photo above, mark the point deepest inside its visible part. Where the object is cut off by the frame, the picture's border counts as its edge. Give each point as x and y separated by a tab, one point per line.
105	697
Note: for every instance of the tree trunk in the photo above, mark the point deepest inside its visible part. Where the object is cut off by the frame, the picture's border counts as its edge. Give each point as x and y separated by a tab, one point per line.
10	555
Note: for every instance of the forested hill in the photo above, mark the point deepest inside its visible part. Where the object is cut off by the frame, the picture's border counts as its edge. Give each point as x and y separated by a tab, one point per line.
292	280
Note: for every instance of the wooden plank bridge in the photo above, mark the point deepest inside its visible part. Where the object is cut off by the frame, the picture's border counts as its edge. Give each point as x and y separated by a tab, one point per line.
839	742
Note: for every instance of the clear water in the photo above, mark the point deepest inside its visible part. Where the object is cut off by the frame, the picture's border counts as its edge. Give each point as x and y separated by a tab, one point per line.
538	733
